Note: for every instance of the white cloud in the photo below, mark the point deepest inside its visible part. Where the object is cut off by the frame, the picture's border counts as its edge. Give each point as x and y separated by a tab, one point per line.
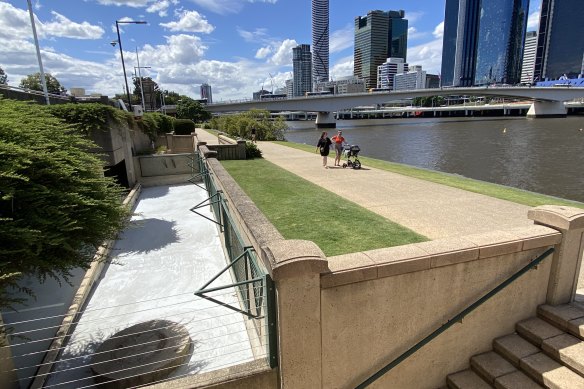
533	21
414	34
283	55
413	16
159	7
439	31
342	68
258	35
190	21
60	26
179	50
127	3
429	55
263	52
342	39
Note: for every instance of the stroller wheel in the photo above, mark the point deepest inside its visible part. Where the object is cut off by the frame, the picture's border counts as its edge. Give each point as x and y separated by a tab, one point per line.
357	164
344	165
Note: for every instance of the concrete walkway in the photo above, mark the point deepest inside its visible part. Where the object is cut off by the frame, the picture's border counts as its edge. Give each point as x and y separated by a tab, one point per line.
433	210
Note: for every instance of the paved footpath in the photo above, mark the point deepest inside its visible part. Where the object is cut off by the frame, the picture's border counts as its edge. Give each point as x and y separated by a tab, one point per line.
433	210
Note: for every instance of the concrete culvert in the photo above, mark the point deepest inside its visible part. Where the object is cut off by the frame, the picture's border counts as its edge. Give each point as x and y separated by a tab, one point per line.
143	353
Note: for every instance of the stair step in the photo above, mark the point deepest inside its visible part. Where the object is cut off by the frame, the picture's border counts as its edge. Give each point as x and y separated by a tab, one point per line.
513	348
566	349
466	379
550	373
568	317
560	315
516	380
537	330
490	366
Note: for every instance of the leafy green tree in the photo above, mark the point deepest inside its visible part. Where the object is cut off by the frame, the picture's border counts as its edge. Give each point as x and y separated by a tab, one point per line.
3	77
188	108
33	81
240	125
56	206
171	98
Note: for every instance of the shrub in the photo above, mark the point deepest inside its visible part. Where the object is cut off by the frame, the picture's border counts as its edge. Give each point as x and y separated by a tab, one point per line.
56	207
91	117
240	125
183	126
252	151
164	123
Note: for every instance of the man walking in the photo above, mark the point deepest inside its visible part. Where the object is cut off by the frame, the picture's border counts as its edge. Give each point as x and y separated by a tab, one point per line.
338	141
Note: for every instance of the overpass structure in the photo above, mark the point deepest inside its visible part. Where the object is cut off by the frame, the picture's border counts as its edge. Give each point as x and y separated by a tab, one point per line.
547	102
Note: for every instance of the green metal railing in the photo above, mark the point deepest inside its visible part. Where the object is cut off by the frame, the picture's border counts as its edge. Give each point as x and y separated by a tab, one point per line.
253	284
456	319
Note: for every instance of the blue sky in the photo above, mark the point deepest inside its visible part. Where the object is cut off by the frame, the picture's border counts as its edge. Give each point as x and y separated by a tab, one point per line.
237	46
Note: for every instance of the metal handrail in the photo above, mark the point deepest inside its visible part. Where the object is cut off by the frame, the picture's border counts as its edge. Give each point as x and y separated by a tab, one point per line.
456	319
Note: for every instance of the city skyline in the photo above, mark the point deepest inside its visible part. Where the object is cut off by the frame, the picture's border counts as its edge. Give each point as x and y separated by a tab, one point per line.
235	46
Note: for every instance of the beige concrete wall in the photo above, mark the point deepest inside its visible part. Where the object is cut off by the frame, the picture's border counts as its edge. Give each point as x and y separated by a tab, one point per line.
377	304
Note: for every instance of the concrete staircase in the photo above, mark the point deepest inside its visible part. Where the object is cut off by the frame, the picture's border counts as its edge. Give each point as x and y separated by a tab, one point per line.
546	351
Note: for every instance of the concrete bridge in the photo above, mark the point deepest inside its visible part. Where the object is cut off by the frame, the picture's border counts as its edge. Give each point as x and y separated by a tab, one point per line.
547	102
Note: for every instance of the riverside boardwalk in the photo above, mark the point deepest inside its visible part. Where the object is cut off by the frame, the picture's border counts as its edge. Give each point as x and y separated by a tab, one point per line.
433	210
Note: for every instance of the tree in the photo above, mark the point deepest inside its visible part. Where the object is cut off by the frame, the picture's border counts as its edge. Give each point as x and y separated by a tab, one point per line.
56	207
3	77
188	108
33	81
171	98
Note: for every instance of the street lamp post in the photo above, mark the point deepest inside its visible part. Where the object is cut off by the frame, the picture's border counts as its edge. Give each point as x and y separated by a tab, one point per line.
139	75
118	22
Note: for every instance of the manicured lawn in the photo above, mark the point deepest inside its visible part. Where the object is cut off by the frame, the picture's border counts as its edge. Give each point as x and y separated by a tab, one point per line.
498	191
302	210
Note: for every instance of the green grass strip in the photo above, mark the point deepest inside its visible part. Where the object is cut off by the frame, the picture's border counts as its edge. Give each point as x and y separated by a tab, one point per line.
300	209
515	195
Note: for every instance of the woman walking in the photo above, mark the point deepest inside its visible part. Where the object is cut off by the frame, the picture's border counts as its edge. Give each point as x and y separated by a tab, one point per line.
324	144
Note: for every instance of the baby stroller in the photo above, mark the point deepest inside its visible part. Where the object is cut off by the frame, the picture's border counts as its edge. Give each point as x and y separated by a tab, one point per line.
351	152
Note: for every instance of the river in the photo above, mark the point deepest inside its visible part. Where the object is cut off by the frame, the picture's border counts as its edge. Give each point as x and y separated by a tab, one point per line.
538	155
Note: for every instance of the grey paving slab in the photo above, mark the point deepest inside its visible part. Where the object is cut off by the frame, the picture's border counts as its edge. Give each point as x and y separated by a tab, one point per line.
165	255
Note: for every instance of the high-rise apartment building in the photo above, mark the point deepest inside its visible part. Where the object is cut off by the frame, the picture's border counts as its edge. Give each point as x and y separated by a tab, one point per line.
560	46
302	69
415	78
320	40
529	57
206	93
387	70
378	36
489	41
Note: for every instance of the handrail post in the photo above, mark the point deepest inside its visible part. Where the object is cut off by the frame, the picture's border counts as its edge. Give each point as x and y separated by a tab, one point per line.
567	258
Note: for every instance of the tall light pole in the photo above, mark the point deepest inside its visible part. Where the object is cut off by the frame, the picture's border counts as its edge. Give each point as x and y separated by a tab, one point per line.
38	51
139	74
118	22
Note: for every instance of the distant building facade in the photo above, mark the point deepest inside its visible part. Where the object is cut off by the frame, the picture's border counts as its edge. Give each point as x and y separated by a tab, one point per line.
387	70
207	93
414	78
302	69
378	35
529	51
449	42
258	95
560	42
320	40
289	88
343	85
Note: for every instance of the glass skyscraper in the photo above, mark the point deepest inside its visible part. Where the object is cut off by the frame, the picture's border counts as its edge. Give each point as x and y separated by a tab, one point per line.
302	69
489	41
560	42
502	26
320	40
449	42
378	36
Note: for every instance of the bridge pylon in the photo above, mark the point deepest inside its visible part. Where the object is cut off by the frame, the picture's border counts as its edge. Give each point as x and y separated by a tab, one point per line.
325	120
547	109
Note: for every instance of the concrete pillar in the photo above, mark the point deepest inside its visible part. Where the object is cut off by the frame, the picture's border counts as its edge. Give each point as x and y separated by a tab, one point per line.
547	109
128	156
325	120
8	377
568	255
296	268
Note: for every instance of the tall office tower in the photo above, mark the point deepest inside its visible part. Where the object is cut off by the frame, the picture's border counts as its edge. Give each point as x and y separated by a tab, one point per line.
449	42
559	43
302	69
378	36
529	57
320	40
387	70
206	93
502	26
467	30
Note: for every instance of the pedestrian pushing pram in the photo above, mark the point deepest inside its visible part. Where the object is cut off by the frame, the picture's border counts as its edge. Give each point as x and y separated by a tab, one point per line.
351	152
